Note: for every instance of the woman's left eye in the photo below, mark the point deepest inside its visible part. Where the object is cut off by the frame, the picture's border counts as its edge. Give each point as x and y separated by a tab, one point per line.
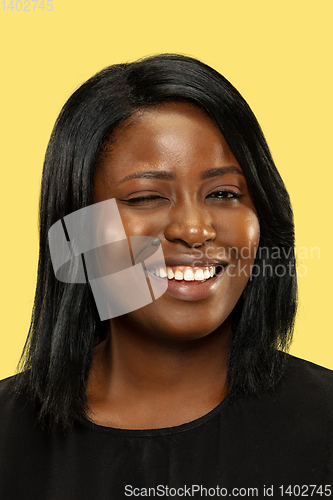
225	194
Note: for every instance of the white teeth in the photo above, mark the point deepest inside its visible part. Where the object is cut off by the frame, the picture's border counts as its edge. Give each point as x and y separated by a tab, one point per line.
206	274
188	275
178	275
170	273
163	274
199	275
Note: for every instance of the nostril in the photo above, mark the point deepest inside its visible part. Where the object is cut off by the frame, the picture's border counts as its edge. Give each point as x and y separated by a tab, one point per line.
194	235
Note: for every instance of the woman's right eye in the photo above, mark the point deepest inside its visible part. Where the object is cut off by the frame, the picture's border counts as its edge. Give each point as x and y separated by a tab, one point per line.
144	199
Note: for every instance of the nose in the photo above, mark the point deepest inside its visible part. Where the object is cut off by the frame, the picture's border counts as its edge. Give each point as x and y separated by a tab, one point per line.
190	225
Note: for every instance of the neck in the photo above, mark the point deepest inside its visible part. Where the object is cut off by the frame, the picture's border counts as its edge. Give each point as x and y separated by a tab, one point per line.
159	381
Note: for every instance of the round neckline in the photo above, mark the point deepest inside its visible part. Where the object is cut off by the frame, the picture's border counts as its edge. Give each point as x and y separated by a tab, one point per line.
187	426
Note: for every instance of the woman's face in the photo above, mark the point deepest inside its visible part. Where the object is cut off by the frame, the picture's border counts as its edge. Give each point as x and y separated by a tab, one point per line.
175	178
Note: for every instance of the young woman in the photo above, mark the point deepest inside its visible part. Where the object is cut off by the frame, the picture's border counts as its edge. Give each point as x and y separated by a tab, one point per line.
191	394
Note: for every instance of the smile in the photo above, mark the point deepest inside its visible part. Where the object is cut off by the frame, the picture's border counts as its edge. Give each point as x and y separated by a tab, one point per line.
189	283
186	273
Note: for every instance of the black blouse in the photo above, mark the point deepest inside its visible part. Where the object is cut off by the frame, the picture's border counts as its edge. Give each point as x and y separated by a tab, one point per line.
279	445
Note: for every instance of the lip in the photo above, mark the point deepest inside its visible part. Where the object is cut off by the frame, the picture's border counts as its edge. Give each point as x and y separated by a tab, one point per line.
193	260
191	290
187	261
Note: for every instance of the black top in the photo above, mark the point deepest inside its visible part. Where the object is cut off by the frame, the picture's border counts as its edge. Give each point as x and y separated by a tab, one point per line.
279	445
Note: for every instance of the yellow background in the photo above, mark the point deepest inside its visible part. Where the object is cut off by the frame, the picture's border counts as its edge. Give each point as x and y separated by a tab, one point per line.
277	54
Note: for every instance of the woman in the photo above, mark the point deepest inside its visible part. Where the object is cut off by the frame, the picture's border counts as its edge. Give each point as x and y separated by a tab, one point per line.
191	394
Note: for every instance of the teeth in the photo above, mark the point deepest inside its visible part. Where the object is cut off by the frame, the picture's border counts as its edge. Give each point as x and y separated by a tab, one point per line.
185	273
163	274
188	275
206	274
178	275
170	273
199	275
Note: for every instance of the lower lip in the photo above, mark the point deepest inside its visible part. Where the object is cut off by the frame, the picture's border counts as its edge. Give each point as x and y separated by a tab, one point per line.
192	290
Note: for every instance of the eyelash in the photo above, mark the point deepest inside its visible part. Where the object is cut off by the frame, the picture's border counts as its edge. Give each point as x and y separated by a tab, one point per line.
235	194
146	199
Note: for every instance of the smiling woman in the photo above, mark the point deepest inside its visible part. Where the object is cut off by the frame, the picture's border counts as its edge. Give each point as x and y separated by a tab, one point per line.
194	387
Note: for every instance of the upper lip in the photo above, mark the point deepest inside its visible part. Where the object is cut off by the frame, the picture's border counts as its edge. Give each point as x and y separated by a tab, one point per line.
189	260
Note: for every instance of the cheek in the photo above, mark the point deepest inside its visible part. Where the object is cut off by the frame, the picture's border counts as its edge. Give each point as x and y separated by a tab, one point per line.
241	235
239	245
138	223
134	225
249	235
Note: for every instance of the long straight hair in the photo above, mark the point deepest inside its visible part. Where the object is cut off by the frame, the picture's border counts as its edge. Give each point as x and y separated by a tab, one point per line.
65	324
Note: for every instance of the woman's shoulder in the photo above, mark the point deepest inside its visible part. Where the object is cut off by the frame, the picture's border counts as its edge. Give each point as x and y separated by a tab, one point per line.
16	410
8	394
311	375
306	386
304	390
8	388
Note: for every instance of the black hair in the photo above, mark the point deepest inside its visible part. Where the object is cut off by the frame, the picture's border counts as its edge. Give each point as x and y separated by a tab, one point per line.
65	324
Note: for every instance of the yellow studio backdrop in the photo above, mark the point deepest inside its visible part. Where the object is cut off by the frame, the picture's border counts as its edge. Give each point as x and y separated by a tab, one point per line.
277	54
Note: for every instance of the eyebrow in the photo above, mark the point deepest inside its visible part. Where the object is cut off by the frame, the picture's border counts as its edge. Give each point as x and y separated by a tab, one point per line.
216	172
169	176
149	174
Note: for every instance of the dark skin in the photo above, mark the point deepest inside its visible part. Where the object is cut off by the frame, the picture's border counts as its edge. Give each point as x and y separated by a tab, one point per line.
166	363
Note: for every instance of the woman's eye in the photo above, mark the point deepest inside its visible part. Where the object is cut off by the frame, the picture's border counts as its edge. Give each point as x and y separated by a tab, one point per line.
220	194
225	194
144	199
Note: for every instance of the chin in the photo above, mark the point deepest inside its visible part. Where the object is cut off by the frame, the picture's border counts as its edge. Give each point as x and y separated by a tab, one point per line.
182	327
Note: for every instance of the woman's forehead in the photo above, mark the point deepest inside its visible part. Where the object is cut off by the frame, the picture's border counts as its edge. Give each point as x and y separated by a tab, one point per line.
168	134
